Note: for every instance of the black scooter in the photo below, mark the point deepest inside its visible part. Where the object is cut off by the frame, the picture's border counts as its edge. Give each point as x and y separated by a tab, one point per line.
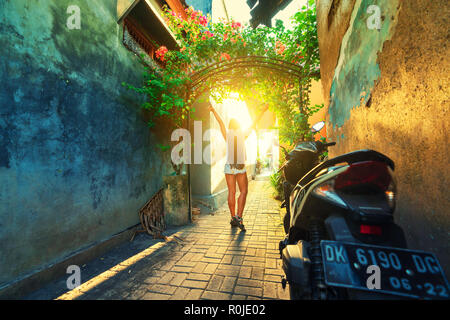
341	240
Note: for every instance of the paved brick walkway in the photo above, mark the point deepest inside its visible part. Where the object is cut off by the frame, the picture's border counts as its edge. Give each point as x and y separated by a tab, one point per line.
213	260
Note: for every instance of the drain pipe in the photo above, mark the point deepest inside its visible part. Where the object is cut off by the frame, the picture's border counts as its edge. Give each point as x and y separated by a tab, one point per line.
189	172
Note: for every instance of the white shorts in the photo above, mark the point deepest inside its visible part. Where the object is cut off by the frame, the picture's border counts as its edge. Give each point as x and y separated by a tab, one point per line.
229	170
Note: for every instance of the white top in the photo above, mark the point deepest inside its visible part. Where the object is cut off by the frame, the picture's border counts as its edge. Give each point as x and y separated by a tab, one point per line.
240	141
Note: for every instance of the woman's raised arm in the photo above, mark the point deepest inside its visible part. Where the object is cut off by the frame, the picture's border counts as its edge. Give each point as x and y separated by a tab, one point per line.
220	121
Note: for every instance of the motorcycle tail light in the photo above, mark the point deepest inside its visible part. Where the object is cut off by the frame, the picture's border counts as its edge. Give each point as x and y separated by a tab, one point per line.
326	190
391	195
368	173
372	230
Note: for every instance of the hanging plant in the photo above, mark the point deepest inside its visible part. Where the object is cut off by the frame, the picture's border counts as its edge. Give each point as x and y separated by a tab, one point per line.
203	43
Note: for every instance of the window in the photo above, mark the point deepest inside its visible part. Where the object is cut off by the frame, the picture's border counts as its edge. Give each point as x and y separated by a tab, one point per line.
138	43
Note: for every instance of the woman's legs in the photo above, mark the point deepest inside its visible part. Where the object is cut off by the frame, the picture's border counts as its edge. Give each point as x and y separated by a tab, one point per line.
242	182
231	183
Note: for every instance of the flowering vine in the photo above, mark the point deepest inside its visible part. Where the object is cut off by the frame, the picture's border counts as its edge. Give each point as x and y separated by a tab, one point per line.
203	42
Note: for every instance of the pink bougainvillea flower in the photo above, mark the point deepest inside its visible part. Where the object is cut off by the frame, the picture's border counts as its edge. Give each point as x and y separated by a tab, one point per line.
233	40
203	21
160	53
279	47
280	51
235	25
225	36
224	56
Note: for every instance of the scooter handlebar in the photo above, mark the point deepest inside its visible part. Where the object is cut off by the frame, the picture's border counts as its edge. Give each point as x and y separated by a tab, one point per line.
330	144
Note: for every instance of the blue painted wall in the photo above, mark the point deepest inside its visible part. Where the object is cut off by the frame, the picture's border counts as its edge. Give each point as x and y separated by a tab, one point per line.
77	159
203	5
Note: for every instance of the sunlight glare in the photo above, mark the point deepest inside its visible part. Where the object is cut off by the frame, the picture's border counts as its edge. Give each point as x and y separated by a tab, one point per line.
286	14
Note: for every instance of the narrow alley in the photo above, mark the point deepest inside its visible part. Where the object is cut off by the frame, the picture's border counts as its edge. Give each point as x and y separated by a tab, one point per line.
205	260
128	127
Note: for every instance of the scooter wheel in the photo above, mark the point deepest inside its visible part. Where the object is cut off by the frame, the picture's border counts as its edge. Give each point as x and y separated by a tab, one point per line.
283	283
296	292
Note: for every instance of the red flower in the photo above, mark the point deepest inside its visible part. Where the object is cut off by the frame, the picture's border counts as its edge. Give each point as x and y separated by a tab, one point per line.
280	51
160	53
203	20
235	25
279	47
224	56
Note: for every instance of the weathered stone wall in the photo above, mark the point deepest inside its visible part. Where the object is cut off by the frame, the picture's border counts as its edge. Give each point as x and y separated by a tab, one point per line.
390	92
77	160
332	23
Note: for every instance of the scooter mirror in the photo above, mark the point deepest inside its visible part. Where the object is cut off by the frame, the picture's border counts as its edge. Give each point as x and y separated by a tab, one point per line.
317	127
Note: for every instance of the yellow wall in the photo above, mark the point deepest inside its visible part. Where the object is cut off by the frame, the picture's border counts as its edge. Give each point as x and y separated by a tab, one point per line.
316	97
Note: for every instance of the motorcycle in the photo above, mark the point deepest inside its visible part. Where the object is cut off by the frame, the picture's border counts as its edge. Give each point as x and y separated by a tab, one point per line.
341	239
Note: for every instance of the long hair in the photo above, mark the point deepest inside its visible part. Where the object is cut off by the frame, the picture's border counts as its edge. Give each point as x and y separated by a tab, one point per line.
234	125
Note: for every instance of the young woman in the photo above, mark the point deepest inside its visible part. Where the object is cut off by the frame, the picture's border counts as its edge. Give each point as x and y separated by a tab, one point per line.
235	167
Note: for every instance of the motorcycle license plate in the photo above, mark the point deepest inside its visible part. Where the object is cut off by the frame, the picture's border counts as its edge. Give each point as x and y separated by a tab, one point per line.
408	273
